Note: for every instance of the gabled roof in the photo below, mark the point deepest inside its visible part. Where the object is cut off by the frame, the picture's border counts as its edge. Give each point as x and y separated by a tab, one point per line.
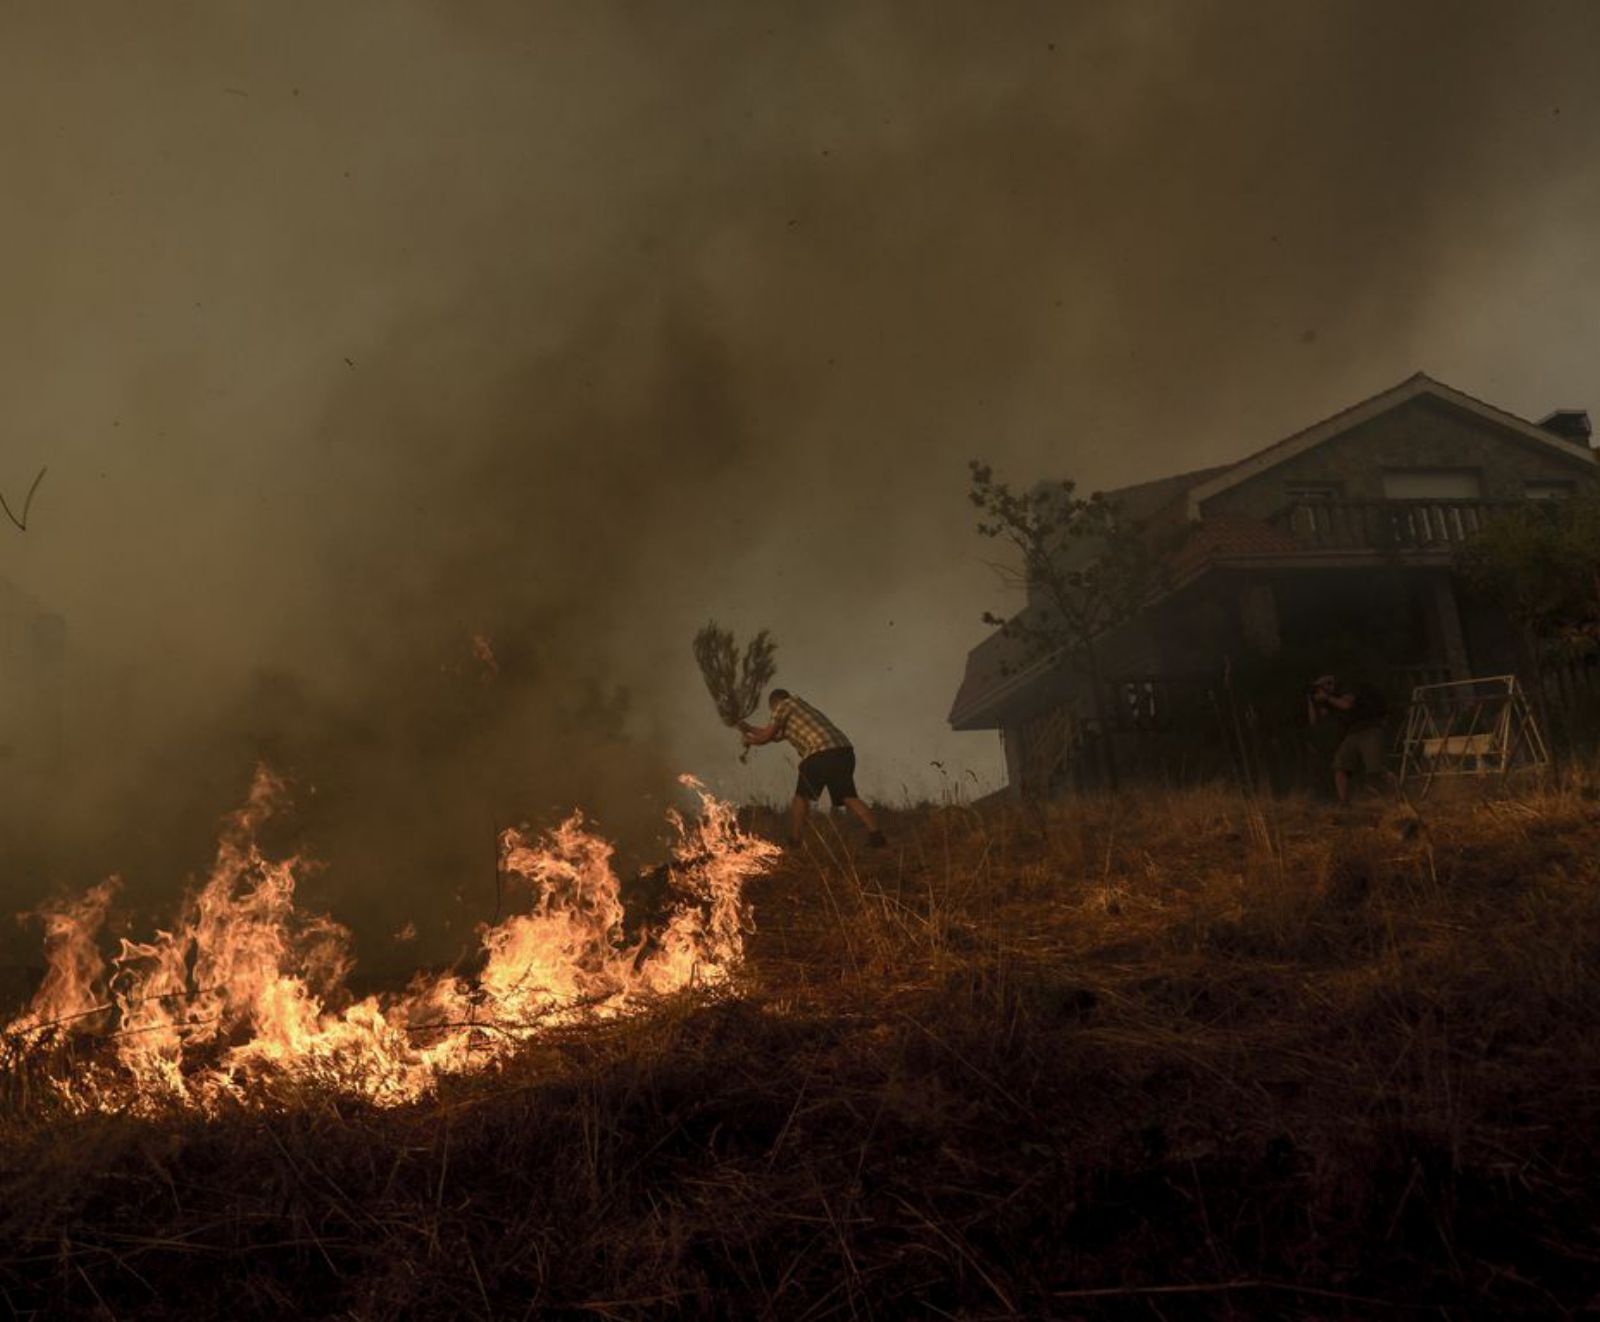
1341	422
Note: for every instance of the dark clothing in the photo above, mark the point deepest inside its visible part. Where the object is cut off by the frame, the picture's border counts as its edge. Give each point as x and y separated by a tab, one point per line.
833	769
1361	751
1368	712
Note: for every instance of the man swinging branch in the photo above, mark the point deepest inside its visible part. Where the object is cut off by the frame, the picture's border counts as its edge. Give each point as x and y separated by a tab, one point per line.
827	761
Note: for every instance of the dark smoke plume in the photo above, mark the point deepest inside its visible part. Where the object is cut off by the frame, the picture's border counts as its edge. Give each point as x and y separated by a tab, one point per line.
352	334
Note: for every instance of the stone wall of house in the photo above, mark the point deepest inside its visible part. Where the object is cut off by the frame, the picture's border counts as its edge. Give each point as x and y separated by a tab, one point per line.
1422	433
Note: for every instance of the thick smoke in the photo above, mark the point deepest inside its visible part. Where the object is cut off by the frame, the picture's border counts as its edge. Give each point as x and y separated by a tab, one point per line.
352	332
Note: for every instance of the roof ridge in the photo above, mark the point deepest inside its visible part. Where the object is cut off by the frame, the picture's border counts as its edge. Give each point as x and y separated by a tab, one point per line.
1339	413
1416	384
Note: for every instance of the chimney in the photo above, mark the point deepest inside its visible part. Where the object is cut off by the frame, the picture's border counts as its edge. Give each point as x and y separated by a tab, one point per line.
1570	425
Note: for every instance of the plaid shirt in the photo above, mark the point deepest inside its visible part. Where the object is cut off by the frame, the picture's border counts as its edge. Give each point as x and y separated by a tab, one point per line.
805	727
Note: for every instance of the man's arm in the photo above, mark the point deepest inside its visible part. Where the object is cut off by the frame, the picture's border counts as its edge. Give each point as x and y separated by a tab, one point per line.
1319	701
767	733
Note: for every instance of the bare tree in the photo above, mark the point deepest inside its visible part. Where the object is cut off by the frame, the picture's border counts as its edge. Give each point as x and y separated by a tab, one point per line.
1085	568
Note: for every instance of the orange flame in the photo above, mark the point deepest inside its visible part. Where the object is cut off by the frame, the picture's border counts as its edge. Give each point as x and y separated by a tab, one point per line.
73	962
236	998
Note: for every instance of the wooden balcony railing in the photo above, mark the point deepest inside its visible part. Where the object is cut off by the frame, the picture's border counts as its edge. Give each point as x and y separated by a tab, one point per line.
1386	525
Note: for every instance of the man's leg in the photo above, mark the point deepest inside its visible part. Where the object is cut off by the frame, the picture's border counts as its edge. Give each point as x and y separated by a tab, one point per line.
863	814
842	789
797	817
1375	764
1346	756
868	818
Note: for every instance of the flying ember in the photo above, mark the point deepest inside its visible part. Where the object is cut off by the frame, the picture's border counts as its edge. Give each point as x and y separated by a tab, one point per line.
246	993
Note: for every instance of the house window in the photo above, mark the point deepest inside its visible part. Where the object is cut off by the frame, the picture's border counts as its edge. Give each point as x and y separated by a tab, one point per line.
1552	490
1432	484
1303	491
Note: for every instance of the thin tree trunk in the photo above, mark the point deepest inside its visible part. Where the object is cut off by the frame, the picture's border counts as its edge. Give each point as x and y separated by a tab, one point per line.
1108	753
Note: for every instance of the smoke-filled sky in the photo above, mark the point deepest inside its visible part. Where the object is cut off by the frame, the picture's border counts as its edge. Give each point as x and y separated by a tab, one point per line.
349	331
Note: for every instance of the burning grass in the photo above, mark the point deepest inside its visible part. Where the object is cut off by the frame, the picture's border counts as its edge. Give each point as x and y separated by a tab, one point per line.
246	994
1175	1056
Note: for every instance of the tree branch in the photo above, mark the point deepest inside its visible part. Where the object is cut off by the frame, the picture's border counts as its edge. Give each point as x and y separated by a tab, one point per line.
22	523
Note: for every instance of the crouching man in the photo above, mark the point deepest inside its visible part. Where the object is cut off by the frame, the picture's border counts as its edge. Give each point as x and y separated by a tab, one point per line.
1360	710
827	761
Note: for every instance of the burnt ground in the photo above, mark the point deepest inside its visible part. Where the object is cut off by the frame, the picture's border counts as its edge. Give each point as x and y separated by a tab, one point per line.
1194	1055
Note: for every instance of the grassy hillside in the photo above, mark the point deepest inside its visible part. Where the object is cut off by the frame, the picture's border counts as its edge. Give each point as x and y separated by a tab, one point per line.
1171	1056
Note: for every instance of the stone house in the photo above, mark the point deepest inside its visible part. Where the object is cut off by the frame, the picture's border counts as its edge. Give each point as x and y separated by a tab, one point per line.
1329	550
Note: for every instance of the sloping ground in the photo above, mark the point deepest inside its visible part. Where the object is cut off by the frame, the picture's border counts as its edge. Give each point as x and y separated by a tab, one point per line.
1178	1056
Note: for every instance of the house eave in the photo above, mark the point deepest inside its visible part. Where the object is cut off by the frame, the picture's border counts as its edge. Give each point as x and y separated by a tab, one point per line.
988	710
1334	559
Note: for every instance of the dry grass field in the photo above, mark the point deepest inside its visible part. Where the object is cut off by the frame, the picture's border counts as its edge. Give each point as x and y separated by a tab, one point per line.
1178	1055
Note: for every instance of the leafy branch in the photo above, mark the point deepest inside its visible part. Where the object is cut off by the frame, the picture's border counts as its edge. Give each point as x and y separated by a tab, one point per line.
1541	564
735	682
1086	569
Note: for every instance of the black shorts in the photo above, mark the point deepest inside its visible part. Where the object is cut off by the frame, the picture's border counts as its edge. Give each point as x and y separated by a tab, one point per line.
833	769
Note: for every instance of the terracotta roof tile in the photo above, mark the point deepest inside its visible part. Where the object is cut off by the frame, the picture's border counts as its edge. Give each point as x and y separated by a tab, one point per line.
1223	535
